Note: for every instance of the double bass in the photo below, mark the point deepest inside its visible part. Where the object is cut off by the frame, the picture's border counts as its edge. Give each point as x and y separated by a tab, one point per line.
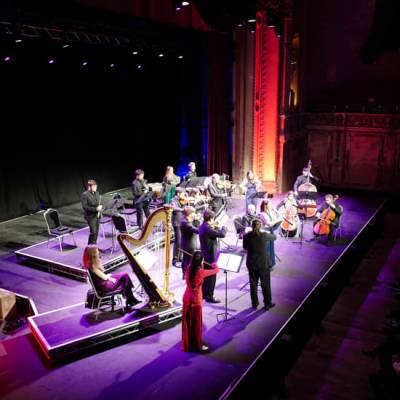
307	207
323	225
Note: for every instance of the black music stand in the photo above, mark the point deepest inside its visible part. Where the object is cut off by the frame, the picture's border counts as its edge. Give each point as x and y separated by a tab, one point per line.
228	261
304	195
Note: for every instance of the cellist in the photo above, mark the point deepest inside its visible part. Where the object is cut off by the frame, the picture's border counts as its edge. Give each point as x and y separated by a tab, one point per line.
328	214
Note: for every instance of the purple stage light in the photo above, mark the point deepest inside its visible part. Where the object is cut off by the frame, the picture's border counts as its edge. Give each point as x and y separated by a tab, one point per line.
7	59
139	66
135	53
84	63
185	3
178	8
65	46
51	61
18	40
180	57
161	55
112	65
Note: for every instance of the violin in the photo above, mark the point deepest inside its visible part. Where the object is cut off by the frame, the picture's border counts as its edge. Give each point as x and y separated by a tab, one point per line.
322	227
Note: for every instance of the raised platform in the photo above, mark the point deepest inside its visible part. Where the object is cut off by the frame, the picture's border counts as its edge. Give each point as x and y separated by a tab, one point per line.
71	330
69	261
155	366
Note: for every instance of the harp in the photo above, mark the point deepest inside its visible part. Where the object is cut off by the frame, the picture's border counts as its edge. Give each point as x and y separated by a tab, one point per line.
157	297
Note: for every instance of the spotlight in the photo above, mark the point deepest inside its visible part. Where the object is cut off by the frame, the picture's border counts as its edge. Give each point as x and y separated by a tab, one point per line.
239	25
18	40
251	20
185	3
139	66
51	61
135	53
7	59
112	65
65	46
84	63
180	57
161	55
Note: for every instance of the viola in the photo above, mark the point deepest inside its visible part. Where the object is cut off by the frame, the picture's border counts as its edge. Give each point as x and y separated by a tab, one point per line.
323	225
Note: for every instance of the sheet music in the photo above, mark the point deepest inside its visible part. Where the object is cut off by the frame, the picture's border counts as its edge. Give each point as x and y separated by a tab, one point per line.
229	261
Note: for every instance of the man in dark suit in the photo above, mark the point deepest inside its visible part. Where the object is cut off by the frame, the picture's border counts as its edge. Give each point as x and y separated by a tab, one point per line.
209	234
141	204
90	200
189	236
258	263
191	173
218	195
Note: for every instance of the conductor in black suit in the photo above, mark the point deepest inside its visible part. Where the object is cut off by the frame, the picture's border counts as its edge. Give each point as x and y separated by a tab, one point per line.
189	236
258	263
209	234
90	200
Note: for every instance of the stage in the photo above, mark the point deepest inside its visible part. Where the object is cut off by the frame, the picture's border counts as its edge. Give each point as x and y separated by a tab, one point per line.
153	365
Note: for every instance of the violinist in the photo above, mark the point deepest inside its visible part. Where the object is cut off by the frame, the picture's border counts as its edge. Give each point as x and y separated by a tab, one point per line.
178	204
250	186
328	217
217	193
291	220
191	173
189	240
305	177
209	232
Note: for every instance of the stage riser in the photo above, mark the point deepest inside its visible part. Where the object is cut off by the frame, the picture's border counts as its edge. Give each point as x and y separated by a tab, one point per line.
288	344
73	349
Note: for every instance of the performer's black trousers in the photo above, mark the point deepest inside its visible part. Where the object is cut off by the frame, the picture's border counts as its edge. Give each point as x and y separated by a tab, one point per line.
140	208
262	275
177	244
209	285
94	224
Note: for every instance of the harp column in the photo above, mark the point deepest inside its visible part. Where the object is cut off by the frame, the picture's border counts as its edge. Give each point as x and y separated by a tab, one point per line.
168	294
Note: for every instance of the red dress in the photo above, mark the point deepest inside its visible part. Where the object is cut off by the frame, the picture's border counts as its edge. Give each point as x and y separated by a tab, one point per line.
192	314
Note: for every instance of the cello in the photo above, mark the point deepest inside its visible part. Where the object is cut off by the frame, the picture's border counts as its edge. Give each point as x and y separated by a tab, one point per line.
307	207
323	225
289	223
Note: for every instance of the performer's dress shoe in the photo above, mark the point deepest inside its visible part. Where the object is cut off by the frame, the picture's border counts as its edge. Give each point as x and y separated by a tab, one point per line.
269	306
213	300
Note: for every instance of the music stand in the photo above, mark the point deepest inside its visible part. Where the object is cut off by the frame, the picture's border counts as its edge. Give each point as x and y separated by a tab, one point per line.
305	195
228	261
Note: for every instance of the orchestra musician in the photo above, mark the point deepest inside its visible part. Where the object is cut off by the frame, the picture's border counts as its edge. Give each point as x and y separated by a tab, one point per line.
305	177
139	188
289	213
270	221
329	204
178	204
192	318
91	204
217	193
189	236
250	185
106	283
191	173
169	183
209	232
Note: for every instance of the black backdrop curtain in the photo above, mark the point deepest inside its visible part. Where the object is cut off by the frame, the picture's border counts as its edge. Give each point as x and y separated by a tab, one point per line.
63	124
219	104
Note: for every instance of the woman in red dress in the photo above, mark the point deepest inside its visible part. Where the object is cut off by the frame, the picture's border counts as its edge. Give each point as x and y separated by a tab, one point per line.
192	315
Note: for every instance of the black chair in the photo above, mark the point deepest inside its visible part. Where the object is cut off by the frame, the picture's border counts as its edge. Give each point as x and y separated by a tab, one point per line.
55	229
103	299
121	206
